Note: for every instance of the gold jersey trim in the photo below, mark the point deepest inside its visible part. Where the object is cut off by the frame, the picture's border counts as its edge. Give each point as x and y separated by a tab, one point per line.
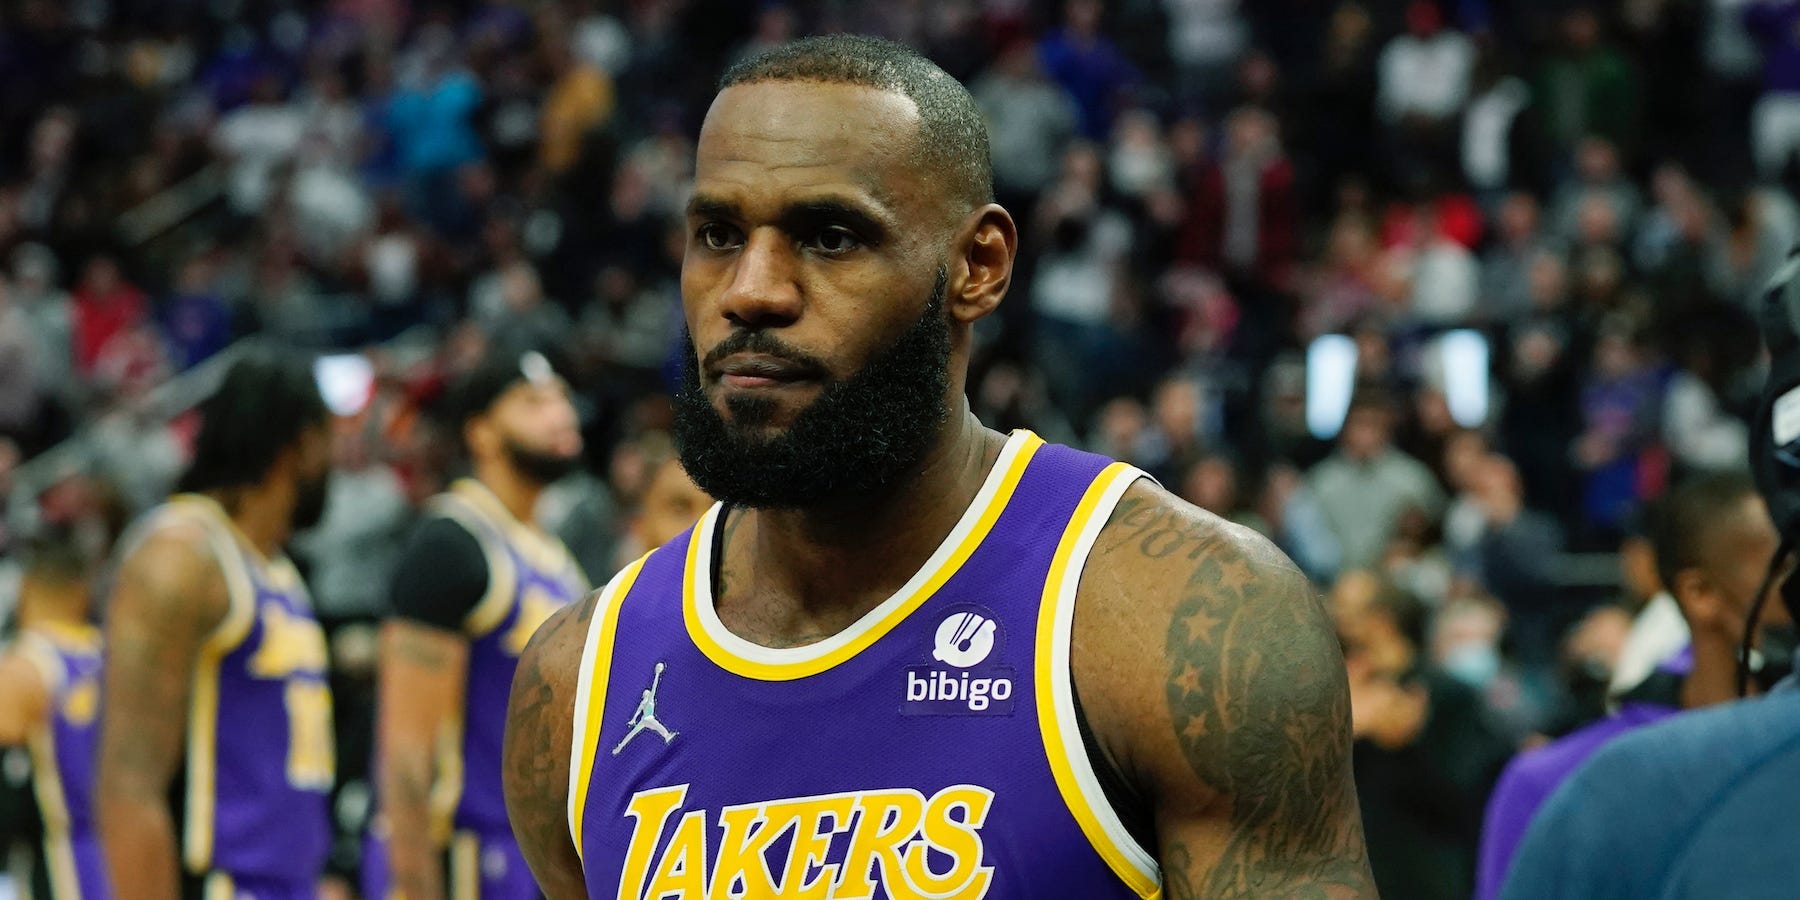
741	657
1068	757
590	692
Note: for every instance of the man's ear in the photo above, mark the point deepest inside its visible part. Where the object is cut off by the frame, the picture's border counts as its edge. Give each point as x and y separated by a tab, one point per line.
1700	601
286	464
990	244
477	435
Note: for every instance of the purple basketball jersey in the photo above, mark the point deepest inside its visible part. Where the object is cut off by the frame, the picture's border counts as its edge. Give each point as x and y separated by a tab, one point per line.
929	750
63	755
530	576
260	755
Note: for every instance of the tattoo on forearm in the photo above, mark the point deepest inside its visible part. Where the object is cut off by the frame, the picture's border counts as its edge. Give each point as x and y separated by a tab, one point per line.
1260	709
420	651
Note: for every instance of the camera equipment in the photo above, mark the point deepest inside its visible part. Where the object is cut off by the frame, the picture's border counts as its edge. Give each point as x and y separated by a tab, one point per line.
1775	441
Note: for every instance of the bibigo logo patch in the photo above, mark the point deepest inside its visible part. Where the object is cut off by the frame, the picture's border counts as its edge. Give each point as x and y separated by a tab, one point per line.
965	676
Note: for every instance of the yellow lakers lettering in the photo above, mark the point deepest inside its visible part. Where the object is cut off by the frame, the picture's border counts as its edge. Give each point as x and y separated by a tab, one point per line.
292	648
290	644
82	702
914	847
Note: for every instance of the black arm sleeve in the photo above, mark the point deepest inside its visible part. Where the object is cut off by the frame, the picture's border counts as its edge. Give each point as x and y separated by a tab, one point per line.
441	577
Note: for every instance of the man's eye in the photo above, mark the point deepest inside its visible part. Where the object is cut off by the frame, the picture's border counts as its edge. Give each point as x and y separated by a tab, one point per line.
836	239
717	236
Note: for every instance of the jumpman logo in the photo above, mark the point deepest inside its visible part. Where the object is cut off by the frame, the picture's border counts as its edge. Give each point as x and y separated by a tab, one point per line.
645	717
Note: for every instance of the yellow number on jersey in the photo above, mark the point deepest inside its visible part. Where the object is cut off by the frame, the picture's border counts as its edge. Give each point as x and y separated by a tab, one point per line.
82	701
536	606
312	761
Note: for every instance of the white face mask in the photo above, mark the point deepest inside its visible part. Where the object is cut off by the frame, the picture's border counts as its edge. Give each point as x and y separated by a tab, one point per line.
1474	664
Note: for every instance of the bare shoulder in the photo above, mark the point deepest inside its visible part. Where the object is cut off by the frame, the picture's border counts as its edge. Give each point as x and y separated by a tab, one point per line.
1160	561
1213	678
548	667
171	575
24	696
539	734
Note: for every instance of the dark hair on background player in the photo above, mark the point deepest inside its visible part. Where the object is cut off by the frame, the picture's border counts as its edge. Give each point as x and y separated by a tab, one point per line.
55	554
952	140
1681	524
267	399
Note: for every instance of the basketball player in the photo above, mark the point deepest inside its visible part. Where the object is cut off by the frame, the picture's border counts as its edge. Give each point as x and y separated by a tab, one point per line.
49	701
476	580
215	677
907	656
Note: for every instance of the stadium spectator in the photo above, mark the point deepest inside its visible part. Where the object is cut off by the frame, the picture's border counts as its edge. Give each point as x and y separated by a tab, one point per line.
1775	130
1588	87
1425	753
1365	486
1029	119
1085	61
1424	73
106	306
1242	216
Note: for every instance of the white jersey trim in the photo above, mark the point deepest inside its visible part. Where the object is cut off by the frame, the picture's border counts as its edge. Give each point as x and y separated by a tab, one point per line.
707	613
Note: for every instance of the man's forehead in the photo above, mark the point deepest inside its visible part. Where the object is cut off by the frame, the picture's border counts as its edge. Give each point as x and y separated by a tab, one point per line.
801	134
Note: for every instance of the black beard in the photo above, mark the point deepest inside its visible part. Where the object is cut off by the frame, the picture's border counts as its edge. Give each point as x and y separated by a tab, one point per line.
540	467
857	439
310	496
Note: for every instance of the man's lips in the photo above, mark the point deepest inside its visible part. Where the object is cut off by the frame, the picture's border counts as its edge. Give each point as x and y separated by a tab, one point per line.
751	370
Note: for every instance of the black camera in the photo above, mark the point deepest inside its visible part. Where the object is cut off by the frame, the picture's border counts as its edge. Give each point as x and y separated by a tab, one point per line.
1775	441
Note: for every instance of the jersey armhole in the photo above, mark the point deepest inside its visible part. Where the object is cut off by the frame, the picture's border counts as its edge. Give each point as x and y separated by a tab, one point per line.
42	656
1125	799
1082	790
590	693
199	808
502	575
240	592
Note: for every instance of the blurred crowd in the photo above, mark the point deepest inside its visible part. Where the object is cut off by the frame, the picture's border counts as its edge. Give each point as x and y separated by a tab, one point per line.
1540	227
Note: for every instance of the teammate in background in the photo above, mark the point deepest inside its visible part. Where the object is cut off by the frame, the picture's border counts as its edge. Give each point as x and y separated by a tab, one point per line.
215	670
50	703
914	656
475	581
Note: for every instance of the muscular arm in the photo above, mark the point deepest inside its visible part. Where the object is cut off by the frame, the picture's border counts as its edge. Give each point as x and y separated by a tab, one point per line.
423	672
1219	687
170	596
535	764
24	698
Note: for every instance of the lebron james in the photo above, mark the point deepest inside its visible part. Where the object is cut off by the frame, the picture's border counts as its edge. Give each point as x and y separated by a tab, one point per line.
906	656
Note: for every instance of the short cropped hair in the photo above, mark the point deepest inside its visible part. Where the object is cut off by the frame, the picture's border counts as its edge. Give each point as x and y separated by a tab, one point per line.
952	138
1687	521
269	398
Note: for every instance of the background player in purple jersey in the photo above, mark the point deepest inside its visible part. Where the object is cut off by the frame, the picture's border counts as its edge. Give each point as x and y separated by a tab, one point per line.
215	665
477	578
842	246
49	703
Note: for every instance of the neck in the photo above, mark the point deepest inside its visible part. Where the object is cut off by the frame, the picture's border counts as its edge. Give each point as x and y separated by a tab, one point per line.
64	606
1714	676
514	491
805	574
263	514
